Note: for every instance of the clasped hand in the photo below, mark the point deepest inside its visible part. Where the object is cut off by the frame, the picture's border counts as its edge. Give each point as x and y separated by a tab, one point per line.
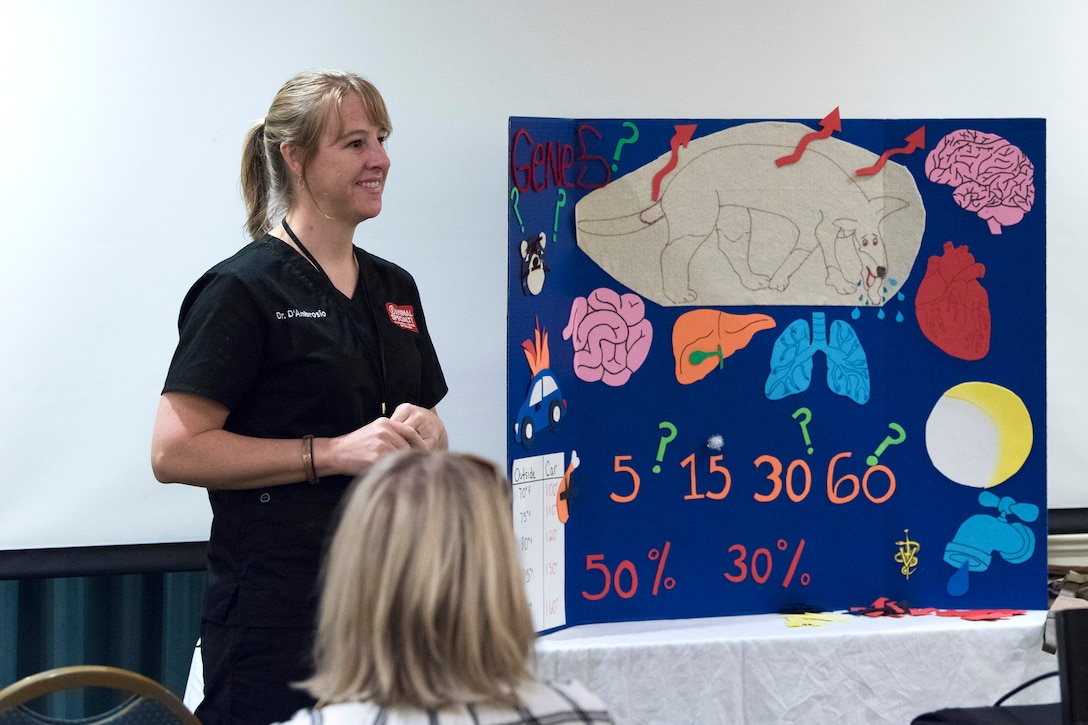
410	426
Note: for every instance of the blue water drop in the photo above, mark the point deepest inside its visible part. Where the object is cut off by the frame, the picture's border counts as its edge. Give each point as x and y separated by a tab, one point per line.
855	314
901	297
880	314
898	316
960	581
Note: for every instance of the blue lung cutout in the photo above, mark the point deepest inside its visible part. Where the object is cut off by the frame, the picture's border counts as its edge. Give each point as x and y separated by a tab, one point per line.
791	360
847	366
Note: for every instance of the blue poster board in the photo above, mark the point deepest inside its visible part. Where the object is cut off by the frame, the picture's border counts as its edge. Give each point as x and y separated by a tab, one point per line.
777	365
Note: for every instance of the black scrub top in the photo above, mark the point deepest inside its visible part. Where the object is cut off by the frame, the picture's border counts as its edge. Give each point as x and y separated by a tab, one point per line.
265	334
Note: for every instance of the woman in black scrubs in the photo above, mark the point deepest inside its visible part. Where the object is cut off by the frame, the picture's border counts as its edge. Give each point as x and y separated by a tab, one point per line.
302	359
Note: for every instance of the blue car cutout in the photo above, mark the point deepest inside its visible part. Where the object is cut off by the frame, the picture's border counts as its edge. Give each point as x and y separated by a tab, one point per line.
543	405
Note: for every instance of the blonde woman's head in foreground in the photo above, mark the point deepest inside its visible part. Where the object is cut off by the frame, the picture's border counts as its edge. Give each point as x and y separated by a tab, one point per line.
423	601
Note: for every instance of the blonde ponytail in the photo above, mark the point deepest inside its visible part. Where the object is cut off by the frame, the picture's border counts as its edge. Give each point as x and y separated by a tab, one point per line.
256	184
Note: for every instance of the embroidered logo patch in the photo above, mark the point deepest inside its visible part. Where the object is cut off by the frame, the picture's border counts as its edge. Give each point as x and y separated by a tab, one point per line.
403	316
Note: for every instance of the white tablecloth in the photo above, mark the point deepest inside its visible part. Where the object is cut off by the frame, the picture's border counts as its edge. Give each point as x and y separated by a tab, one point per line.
755	670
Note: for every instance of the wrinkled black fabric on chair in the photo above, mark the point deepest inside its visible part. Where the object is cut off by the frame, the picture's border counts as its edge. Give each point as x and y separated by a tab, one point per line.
149	704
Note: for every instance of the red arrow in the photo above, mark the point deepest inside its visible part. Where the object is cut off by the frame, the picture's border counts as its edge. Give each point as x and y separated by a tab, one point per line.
916	140
828	125
681	138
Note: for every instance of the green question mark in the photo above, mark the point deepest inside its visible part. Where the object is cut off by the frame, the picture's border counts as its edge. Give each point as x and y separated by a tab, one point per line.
561	203
515	196
804	424
622	141
888	441
665	425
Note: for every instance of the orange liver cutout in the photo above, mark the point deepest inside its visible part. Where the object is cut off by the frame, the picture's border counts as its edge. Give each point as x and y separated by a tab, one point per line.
702	339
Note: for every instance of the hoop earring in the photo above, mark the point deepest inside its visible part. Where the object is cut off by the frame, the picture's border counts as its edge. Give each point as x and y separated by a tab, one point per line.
301	183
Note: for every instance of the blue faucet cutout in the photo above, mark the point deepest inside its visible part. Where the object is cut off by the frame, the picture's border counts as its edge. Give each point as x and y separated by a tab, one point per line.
980	536
791	360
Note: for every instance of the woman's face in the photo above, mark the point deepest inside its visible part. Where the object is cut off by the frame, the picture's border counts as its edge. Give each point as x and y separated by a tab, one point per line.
346	175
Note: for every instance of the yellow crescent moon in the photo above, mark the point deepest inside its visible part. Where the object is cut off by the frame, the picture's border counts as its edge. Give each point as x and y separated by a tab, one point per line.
979	434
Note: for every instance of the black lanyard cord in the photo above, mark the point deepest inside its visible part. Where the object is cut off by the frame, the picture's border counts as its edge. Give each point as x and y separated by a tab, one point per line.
377	336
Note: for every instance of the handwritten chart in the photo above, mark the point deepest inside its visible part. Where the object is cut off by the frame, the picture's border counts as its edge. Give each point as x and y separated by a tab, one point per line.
540	536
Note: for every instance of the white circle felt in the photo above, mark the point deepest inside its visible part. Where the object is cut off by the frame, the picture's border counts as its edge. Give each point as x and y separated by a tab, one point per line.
978	434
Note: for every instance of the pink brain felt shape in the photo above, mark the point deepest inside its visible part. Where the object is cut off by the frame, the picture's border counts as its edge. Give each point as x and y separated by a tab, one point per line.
610	334
991	177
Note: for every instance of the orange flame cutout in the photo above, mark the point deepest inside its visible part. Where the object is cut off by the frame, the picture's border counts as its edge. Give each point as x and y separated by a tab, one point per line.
537	352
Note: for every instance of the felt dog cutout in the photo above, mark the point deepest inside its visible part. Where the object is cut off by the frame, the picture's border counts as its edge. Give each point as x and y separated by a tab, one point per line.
812	232
716	193
533	268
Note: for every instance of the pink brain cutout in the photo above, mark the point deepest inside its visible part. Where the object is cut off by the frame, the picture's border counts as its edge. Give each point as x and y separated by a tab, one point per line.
610	334
990	176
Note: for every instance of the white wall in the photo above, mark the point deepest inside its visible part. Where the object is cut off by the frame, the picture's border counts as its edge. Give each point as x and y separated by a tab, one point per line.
122	124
